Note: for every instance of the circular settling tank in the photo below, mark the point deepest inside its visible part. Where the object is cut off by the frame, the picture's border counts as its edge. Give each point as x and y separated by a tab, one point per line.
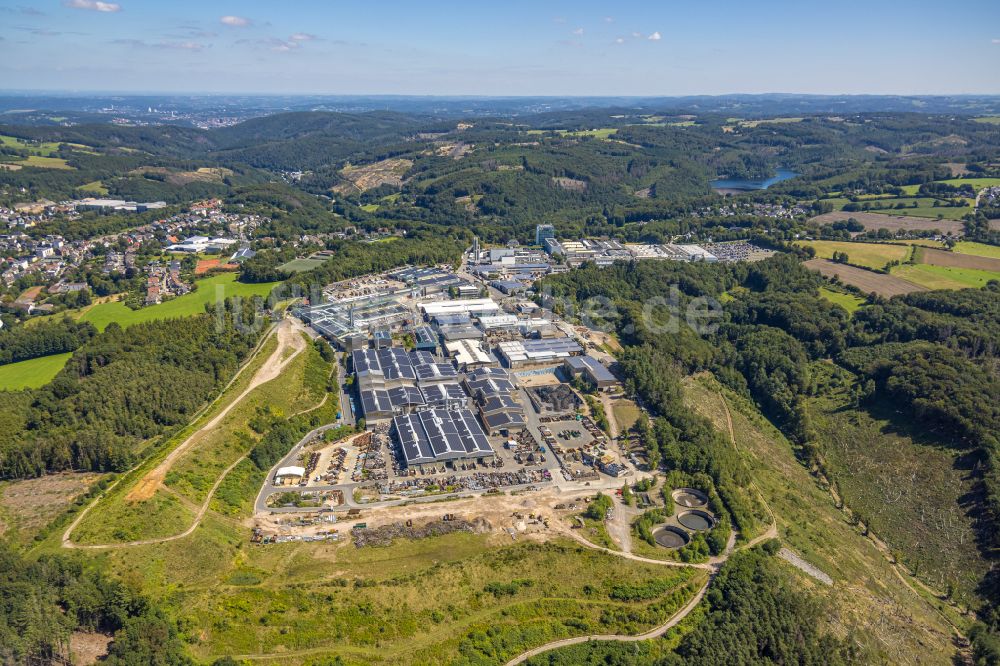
698	521
689	498
671	537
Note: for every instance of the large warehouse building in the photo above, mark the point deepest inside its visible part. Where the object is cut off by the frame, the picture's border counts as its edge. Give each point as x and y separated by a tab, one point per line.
436	436
517	353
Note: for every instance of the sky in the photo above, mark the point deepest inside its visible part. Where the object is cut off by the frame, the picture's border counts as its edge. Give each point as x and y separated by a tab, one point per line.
508	48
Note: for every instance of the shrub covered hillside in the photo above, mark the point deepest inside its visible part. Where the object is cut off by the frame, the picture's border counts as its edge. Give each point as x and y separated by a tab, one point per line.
934	357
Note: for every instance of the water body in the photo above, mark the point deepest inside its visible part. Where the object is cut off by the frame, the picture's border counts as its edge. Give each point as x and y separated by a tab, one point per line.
730	185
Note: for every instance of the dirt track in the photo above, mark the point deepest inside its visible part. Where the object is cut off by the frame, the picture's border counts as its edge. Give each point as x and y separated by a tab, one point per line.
865	280
289	338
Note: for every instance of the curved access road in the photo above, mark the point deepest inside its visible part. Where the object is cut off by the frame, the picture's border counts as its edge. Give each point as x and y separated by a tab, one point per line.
653	633
289	340
713	565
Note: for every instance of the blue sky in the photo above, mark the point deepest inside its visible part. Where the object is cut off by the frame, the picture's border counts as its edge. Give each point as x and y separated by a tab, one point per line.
513	47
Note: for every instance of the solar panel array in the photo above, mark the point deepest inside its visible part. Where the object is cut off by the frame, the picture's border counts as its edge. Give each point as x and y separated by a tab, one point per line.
392	364
436	372
436	435
444	394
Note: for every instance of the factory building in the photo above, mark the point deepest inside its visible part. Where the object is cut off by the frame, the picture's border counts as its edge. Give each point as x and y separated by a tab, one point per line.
519	353
436	436
591	370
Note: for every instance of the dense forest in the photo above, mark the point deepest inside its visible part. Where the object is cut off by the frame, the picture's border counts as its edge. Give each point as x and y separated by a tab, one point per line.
119	389
42	339
42	602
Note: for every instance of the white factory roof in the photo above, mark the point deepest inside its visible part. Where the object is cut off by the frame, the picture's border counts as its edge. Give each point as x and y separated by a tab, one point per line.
291	470
463	306
697	252
498	321
467	352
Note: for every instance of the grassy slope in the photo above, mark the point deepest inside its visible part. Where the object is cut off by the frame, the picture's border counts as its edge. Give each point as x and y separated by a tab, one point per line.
944	277
414	602
868	598
914	494
193	474
114	519
849	302
868	255
210	290
977	249
31	373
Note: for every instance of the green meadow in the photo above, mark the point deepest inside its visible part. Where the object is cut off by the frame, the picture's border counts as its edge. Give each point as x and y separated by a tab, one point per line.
210	290
31	373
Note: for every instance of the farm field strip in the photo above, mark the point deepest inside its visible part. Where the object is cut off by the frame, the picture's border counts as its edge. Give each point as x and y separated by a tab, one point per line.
893	222
32	373
865	280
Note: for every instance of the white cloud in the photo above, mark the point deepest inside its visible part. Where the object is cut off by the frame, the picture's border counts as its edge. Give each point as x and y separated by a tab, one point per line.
183	46
637	35
578	32
303	37
94	5
996	41
620	40
609	19
235	21
656	37
186	45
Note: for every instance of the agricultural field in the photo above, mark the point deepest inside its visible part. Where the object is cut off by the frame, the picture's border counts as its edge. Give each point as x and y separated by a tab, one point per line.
301	265
865	584
943	277
94	187
849	302
32	373
893	222
912	491
43	149
868	255
992	120
977	249
865	280
41	162
210	290
922	207
958	260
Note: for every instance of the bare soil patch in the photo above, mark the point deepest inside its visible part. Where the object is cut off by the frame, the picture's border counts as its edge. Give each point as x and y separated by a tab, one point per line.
370	176
956	260
875	221
33	503
867	281
571	184
88	647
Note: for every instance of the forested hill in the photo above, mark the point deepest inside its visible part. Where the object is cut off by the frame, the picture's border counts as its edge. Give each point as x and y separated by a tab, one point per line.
119	389
927	361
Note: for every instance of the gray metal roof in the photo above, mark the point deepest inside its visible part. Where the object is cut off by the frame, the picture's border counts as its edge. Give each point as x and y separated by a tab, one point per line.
443	393
592	366
436	435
